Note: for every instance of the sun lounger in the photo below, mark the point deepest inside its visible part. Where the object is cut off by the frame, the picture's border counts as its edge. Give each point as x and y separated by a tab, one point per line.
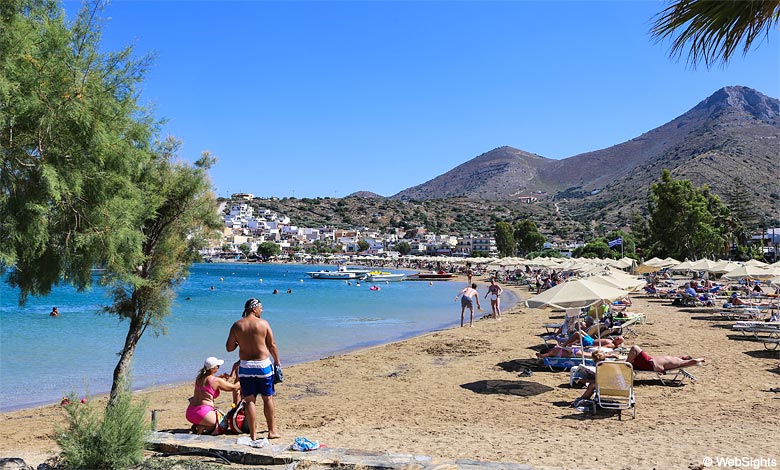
750	328
615	387
674	377
771	344
743	313
759	332
565	363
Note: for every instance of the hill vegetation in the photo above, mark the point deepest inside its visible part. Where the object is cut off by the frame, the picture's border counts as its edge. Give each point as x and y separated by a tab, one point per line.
729	142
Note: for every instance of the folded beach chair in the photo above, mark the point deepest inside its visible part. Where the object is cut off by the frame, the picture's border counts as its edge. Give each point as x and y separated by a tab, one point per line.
615	387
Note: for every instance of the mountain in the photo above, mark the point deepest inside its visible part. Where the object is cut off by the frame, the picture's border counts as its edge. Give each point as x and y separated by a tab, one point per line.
730	141
502	173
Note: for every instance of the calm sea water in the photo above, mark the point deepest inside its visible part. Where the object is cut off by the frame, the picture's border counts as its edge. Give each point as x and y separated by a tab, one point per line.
43	358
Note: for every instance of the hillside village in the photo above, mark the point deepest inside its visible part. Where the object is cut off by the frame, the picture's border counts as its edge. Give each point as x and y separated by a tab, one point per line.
245	226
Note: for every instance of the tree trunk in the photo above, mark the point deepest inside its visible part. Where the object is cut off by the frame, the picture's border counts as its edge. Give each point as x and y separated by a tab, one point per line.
122	368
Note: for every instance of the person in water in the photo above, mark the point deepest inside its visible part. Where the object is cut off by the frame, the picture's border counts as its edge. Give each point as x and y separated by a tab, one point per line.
54	312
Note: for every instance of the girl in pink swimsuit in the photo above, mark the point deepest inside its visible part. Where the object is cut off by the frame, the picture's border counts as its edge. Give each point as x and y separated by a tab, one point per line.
202	411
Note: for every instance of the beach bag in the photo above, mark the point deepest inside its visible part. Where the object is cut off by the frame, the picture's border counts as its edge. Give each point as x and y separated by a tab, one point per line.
236	419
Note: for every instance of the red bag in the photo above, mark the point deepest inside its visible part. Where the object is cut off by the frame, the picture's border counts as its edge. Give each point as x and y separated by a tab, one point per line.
236	419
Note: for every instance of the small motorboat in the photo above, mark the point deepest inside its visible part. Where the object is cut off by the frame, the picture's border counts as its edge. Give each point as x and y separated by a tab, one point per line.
384	276
430	276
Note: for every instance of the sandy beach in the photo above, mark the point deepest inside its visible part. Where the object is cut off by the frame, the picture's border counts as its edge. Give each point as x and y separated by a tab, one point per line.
457	394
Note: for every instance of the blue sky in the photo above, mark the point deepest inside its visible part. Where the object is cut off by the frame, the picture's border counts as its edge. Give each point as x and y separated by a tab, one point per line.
321	98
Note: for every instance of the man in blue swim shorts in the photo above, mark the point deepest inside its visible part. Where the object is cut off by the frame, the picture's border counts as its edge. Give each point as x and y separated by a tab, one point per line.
258	355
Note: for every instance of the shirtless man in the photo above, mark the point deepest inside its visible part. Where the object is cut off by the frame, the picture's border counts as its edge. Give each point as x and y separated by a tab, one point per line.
640	360
466	301
254	339
643	361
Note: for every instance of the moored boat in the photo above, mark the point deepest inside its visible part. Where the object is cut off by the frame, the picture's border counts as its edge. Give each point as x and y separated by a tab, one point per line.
430	276
384	276
340	274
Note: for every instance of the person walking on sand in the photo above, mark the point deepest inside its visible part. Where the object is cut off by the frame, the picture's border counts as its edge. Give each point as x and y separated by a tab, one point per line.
254	339
494	291
466	300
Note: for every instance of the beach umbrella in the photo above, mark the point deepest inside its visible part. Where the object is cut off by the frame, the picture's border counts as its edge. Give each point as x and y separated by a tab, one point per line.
703	265
647	268
749	272
575	293
684	266
626	280
724	266
657	262
755	262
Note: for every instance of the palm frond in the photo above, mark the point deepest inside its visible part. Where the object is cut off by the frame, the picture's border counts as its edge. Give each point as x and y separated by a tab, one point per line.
712	30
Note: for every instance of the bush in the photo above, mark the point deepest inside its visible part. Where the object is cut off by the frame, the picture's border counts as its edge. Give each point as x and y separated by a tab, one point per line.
114	440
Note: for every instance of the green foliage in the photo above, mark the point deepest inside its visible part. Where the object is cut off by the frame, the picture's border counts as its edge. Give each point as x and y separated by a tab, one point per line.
73	141
547	253
84	182
269	249
403	247
528	237
505	239
596	248
685	222
103	438
363	245
245	249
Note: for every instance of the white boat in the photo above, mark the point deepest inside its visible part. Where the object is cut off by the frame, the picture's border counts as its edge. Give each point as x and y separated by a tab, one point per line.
341	273
383	276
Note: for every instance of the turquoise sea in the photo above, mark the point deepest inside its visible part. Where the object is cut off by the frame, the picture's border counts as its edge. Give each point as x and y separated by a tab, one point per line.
43	358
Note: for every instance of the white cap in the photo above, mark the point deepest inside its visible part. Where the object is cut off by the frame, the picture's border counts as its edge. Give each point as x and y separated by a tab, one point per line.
212	362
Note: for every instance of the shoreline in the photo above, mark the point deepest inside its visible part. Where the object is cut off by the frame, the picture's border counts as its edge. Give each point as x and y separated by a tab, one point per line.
456	393
515	300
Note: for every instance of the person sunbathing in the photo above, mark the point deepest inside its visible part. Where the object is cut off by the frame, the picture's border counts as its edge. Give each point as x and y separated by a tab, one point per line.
588	341
575	351
643	361
640	360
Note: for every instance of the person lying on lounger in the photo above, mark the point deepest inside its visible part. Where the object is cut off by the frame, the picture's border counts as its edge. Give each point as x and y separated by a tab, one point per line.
640	360
643	361
575	351
588	341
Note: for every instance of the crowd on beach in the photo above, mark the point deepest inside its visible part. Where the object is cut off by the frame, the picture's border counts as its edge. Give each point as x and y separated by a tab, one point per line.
596	334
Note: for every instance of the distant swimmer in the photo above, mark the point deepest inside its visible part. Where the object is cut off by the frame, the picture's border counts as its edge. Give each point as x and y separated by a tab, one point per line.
212	287
188	298
54	312
374	288
276	291
289	291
